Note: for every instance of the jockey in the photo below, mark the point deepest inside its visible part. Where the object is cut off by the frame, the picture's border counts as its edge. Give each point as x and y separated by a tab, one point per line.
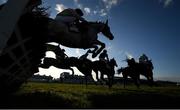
71	16
85	55
60	53
104	56
84	59
131	62
143	58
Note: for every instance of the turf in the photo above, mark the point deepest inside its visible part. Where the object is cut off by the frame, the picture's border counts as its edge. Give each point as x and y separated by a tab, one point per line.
56	95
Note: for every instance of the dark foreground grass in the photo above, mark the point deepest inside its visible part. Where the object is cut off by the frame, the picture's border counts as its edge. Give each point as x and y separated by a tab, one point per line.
54	95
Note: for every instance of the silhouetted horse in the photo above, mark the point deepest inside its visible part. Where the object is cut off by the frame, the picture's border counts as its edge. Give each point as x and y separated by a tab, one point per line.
105	68
127	71
60	33
145	69
84	66
134	70
63	63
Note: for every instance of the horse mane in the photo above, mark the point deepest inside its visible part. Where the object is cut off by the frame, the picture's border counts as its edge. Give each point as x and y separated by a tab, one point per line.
97	22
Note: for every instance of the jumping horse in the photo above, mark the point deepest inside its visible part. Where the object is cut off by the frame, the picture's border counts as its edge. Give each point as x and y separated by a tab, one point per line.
59	32
134	70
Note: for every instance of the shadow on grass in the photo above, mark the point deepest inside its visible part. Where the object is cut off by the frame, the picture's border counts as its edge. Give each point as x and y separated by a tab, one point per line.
149	101
114	100
35	100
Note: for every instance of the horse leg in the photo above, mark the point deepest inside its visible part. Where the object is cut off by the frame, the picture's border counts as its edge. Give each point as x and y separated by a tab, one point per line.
137	83
86	80
102	78
95	49
100	49
124	81
97	78
110	81
45	64
68	68
91	77
150	80
88	77
72	71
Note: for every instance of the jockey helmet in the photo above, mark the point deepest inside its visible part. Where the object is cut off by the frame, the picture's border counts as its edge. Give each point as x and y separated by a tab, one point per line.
79	11
105	51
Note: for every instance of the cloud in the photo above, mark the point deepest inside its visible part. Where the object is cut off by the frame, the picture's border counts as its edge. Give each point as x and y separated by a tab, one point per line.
78	4
120	52
102	12
109	47
60	7
78	52
95	12
87	10
166	3
128	55
109	3
3	1
76	1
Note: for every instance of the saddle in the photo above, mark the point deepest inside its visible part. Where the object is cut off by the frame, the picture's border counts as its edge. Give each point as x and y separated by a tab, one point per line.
73	28
78	27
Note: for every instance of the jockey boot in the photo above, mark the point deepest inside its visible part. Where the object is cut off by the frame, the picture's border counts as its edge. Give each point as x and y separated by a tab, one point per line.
84	40
83	28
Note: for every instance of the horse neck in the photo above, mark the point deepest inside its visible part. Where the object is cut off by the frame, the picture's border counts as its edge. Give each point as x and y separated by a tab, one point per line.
73	61
112	64
98	26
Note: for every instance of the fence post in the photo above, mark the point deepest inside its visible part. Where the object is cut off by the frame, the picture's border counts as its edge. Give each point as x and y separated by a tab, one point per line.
9	16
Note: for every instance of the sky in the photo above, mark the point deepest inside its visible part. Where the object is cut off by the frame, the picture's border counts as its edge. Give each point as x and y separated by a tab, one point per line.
139	26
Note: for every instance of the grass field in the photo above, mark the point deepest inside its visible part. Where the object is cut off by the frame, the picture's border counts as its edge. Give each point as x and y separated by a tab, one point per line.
55	95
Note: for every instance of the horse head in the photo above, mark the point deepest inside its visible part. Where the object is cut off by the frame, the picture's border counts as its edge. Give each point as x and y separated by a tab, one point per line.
113	62
106	31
